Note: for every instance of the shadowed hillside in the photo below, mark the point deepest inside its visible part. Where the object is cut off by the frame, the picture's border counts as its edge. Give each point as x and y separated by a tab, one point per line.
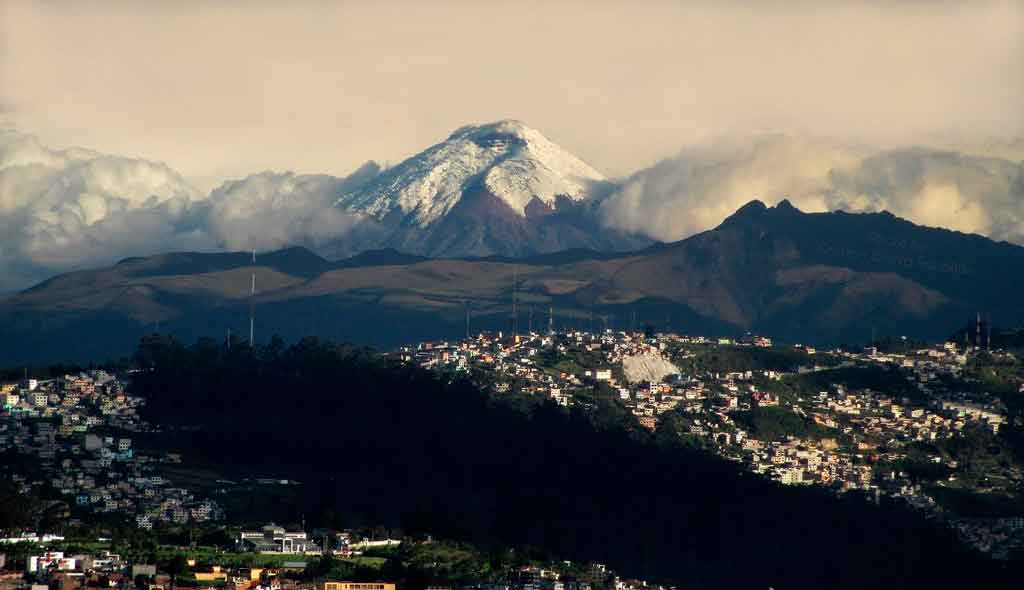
378	443
823	278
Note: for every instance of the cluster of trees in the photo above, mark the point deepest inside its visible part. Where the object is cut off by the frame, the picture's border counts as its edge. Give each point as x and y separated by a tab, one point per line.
976	452
889	380
418	565
777	422
900	345
19	511
376	442
16	510
695	359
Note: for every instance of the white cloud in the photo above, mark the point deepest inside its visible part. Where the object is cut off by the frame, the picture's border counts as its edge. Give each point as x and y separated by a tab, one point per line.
702	185
63	209
269	210
973	194
74	208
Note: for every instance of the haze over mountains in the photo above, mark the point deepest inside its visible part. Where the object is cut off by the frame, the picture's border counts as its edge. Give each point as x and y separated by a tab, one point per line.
807	277
494	189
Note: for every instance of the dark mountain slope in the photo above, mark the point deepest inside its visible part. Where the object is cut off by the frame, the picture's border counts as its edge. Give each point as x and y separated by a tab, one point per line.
821	278
481	225
831	276
962	266
379	444
382	257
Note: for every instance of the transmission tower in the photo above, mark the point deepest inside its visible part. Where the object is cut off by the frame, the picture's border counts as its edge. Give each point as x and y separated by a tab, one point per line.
252	304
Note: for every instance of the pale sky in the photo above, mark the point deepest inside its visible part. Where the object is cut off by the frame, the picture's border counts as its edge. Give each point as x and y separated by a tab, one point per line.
224	89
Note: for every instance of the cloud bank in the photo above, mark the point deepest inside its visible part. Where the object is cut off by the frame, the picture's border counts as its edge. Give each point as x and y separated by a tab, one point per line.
270	210
66	209
63	209
702	185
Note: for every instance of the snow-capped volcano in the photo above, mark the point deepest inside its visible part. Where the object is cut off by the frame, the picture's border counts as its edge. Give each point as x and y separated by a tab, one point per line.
496	189
507	159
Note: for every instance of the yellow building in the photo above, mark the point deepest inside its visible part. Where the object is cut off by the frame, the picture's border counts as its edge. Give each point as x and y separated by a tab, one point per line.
216	574
357	586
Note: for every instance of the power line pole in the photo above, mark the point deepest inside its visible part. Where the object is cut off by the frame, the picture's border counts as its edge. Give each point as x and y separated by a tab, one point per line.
252	304
988	329
977	331
515	302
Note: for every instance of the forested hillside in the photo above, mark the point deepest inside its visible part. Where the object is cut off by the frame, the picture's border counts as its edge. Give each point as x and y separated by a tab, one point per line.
382	443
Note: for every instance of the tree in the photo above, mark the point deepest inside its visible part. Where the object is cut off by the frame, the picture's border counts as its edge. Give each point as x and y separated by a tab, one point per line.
16	510
176	567
484	471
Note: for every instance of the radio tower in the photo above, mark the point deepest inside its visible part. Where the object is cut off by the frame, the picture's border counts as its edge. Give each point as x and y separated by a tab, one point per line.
551	319
252	303
977	331
515	302
988	329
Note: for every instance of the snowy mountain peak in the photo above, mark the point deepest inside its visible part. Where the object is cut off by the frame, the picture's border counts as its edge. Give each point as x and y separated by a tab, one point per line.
508	159
508	130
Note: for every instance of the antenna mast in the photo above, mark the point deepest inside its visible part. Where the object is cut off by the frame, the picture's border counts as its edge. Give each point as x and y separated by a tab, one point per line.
252	303
977	331
988	329
515	302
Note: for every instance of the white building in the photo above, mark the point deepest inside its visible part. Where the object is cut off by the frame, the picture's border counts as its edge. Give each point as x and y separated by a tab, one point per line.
275	539
791	476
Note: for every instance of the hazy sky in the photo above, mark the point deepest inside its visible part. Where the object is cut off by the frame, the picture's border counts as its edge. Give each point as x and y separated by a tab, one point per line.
223	89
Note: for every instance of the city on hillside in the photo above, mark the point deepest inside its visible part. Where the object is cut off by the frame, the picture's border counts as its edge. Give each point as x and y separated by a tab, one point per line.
916	424
896	422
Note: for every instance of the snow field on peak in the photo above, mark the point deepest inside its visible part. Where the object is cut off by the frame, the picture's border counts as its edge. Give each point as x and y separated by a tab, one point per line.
512	161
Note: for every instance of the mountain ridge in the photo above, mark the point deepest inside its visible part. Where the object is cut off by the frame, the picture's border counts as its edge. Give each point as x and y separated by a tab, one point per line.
500	188
511	161
820	278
